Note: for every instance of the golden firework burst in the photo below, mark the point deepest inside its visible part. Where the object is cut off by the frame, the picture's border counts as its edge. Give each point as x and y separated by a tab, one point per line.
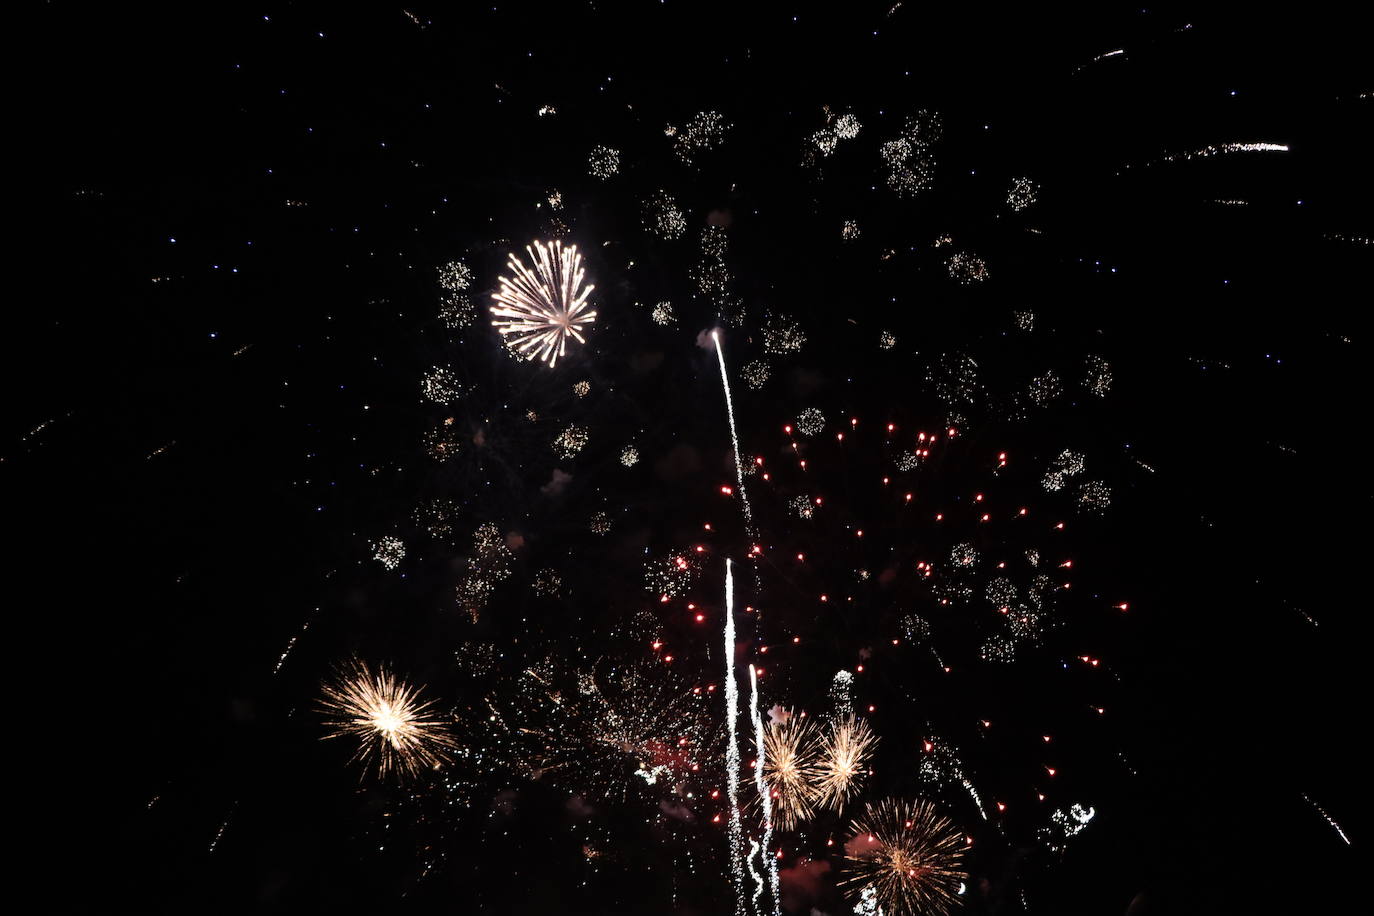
908	854
844	755
791	769
398	732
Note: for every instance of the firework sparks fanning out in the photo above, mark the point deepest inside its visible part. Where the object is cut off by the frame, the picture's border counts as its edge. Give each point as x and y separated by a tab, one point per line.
908	854
792	770
845	752
399	733
538	310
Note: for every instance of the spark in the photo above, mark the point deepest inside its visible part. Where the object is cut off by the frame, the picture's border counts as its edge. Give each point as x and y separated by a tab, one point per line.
539	309
910	856
398	732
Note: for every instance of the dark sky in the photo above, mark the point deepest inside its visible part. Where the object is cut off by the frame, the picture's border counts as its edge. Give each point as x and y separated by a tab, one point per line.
216	410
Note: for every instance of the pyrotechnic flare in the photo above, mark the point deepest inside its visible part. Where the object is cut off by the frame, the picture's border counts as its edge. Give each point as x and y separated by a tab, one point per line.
736	832
399	733
843	757
538	310
908	854
760	763
792	769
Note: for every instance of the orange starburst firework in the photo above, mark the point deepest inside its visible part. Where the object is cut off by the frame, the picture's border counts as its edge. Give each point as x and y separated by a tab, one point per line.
844	755
791	770
908	854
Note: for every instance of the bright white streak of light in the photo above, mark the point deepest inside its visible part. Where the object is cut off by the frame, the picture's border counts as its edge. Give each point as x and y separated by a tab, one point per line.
736	833
758	879
1329	819
734	437
762	785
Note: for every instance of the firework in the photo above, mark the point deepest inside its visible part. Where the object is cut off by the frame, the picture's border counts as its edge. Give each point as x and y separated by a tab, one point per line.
810	422
398	732
703	132
662	216
603	162
792	770
908	854
441	385
850	230
1098	377
755	373
966	268
663	314
629	456
570	441
1022	194
844	753
887	340
782	335
389	551
456	311
538	310
455	276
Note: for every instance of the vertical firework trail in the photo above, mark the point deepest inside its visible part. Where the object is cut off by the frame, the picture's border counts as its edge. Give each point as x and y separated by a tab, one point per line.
762	785
734	437
732	745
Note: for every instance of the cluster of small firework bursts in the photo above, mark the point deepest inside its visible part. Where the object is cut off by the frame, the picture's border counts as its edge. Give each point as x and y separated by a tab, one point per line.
610	730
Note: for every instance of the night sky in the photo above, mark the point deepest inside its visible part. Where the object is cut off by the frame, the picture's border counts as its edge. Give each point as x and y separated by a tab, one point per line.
1044	335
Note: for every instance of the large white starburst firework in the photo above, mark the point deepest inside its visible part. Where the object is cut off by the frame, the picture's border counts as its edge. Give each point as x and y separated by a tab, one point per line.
538	309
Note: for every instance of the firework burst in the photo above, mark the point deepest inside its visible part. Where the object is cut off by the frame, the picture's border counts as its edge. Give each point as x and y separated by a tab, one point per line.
538	310
908	855
844	753
792	769
398	731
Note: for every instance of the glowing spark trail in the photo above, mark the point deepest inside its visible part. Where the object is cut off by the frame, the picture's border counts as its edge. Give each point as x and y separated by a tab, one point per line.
734	437
732	747
761	783
1329	819
538	310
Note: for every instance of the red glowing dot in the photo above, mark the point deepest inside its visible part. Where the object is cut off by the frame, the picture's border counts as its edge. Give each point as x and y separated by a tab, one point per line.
759	461
708	526
668	659
839	436
985	517
1060	526
1050	770
860	669
787	429
890	427
726	490
824	598
765	476
871	708
1122	606
939	516
700	618
908	497
1001	807
978	498
860	532
796	639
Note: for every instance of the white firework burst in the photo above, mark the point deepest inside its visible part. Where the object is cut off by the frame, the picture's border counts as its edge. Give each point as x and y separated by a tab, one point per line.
538	309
